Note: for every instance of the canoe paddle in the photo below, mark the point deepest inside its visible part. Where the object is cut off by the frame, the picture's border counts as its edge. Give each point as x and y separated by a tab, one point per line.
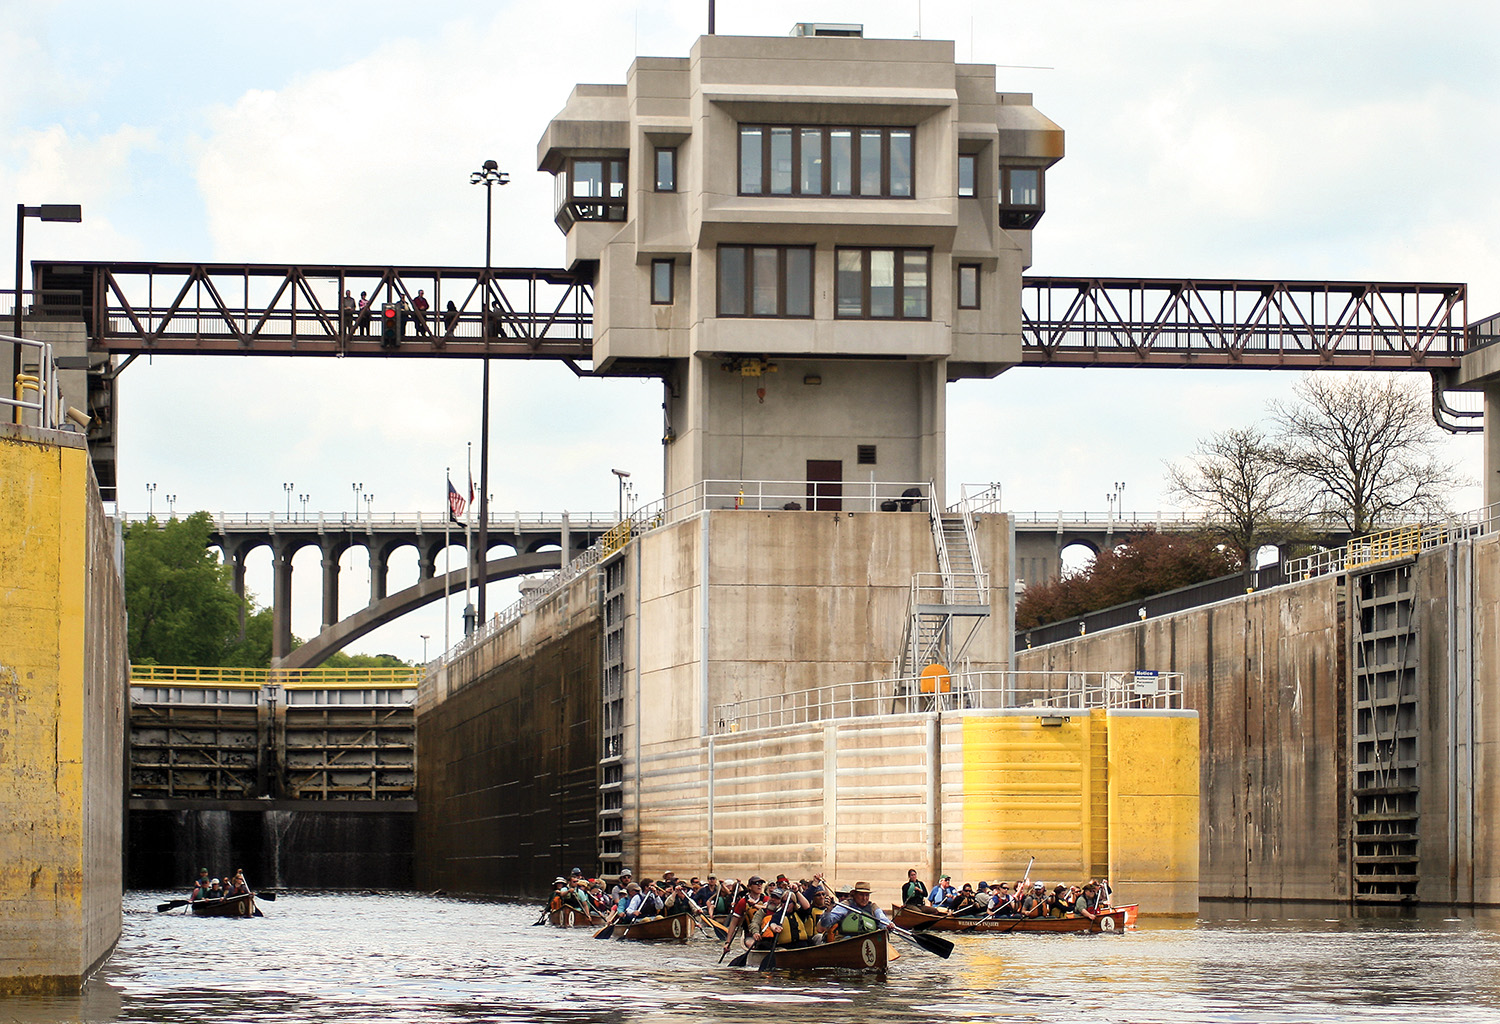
931	943
609	925
162	908
713	925
768	962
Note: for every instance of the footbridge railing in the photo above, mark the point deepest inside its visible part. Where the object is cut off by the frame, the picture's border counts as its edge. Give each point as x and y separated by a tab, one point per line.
1391	545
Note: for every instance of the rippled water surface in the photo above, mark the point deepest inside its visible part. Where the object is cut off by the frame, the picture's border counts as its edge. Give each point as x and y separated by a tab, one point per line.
355	959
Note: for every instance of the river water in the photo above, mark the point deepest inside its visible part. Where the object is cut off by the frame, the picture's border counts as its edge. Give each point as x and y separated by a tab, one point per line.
364	958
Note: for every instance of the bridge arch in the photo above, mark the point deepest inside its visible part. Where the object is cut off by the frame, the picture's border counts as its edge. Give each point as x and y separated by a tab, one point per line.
392	607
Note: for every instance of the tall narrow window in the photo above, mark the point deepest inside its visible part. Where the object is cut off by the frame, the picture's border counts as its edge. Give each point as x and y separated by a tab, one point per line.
732	280
750	161
914	278
812	162
900	163
661	282
967	164
666	169
871	162
968	286
850	284
841	162
781	161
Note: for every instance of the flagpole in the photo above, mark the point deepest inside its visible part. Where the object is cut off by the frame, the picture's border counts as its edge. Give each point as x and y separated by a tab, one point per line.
469	547
447	558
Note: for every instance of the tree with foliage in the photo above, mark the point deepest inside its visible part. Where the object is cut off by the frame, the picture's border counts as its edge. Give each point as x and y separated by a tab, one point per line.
180	600
338	659
1249	494
1368	446
1146	564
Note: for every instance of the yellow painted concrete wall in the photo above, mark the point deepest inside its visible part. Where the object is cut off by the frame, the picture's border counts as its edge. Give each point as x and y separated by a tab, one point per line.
62	716
1153	809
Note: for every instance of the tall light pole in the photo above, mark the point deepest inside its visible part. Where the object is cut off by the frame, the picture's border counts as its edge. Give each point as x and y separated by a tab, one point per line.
424	647
288	489
150	496
303	498
52	212
356	488
489	175
171	506
623	476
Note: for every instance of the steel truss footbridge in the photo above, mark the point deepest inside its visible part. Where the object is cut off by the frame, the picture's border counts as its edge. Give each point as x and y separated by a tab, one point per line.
133	309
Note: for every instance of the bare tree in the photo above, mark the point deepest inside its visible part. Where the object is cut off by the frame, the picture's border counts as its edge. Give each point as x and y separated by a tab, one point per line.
1249	494
1368	446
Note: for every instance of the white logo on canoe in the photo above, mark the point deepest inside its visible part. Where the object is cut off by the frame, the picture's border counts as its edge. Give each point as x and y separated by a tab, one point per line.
676	927
1106	924
867	952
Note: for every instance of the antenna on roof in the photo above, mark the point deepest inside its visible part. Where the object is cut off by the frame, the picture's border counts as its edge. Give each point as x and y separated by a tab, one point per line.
710	17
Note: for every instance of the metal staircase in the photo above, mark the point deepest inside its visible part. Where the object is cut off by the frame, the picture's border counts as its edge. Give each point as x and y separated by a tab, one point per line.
943	603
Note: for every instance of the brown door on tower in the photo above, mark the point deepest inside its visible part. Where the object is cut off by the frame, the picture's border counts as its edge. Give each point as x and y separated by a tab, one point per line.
825	485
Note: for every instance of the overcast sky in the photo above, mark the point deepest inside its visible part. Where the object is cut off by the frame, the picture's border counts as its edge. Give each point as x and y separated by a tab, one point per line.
1286	140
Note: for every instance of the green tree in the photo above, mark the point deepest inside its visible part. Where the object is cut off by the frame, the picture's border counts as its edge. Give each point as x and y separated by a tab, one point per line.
338	659
180	599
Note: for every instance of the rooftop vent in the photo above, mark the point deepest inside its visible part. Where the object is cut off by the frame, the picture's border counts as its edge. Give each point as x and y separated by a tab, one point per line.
820	28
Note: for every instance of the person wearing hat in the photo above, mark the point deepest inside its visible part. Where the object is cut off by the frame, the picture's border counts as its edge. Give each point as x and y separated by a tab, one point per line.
913	893
704	894
942	892
1034	903
745	907
200	887
965	902
619	888
858	916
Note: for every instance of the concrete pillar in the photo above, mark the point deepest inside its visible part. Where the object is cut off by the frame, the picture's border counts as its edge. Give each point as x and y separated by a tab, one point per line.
426	562
1492	445
237	562
330	588
281	604
567	544
378	560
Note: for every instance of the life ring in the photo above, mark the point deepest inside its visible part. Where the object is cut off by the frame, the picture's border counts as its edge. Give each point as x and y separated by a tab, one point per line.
677	927
867	952
1106	924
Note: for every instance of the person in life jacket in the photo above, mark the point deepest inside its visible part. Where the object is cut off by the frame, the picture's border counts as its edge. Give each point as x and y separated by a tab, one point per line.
559	889
859	915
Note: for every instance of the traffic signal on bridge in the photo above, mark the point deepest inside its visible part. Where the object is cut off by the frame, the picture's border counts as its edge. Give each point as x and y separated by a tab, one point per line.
390	325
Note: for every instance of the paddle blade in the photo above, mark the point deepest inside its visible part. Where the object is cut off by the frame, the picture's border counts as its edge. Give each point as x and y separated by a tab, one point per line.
768	962
269	895
605	932
162	908
933	944
740	960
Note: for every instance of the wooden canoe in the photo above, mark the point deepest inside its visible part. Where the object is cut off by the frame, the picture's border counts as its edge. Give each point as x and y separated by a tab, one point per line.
911	917
225	906
672	928
572	917
853	953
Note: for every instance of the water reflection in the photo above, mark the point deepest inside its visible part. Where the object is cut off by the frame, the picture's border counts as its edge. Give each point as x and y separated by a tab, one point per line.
347	958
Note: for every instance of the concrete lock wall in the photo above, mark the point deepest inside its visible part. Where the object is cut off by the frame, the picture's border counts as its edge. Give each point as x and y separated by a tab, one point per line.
1270	674
508	751
63	684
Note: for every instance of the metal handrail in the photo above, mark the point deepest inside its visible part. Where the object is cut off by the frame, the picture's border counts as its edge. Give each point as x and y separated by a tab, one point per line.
1393	544
995	689
48	403
413	521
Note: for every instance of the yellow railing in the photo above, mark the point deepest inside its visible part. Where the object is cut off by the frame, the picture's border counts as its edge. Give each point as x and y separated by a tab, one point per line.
1384	547
403	677
615	538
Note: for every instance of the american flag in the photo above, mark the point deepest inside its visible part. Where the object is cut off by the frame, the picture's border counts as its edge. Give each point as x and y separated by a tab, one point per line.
456	502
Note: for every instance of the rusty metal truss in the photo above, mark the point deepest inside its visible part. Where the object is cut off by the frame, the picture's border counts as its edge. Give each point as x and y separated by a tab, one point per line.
264	309
1091	321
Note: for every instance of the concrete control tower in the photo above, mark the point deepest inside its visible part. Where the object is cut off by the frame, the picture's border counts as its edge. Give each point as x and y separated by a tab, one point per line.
806	238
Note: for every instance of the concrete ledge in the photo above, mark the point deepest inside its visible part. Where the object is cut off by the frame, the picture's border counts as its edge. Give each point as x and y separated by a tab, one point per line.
304	806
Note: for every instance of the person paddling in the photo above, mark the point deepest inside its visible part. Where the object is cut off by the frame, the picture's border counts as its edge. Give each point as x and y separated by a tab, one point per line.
859	916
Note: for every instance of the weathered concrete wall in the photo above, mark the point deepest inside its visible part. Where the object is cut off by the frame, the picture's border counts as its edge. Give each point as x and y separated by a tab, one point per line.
63	679
1268	674
508	753
1263	673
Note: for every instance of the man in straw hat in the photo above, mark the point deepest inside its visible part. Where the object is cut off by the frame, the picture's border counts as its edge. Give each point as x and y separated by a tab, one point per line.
859	915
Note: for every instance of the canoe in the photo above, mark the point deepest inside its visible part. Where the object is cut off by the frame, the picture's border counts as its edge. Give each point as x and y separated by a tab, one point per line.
674	927
911	917
1132	913
225	906
572	917
854	953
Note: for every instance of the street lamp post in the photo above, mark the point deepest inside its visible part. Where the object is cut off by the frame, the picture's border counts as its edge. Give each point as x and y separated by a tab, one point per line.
356	488
303	498
488	175
623	476
150	497
46	212
288	489
171	506
424	647
369	508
